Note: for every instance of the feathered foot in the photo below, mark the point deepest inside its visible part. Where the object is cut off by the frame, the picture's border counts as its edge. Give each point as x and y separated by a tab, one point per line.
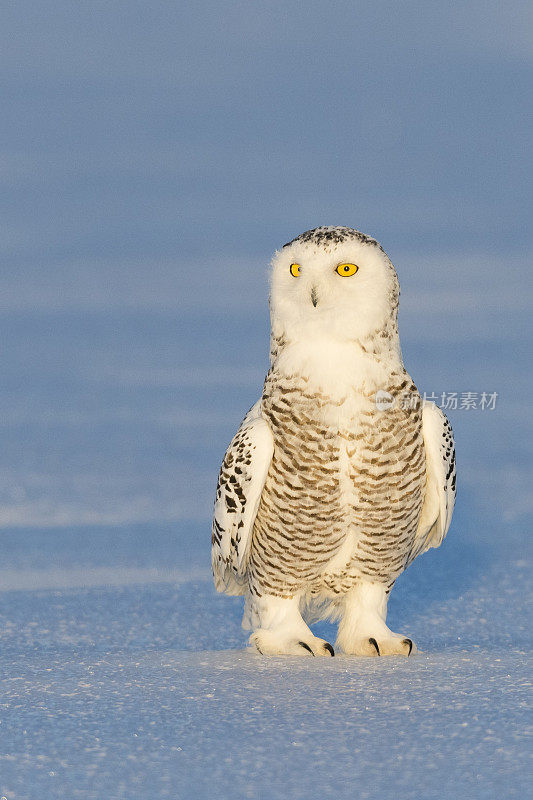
381	644
362	630
280	629
284	643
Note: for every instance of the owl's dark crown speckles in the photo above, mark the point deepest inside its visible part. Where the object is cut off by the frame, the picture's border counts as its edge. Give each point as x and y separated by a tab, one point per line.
330	234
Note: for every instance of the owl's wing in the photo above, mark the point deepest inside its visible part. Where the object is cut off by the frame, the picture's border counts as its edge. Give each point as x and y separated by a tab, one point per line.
439	499
240	484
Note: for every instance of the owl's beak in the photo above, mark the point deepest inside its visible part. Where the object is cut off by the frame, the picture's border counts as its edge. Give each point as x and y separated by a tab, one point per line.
314	297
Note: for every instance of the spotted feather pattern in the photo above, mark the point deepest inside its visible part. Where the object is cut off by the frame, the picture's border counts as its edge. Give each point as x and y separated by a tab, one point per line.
326	236
240	483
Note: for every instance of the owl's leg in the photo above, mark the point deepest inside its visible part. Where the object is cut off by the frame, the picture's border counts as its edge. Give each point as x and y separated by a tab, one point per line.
280	630
362	630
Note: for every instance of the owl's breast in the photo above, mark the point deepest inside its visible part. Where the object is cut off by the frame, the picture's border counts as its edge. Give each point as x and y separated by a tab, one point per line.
343	490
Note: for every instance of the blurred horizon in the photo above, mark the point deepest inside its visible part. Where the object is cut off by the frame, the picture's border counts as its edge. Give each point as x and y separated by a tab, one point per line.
152	160
167	131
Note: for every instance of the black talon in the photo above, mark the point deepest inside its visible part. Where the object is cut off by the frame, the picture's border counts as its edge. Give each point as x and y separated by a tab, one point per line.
306	647
373	641
410	643
329	648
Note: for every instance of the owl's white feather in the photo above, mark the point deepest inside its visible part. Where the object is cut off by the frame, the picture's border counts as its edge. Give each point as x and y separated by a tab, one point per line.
323	497
439	500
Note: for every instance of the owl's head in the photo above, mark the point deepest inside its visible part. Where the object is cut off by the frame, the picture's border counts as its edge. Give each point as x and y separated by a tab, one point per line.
333	282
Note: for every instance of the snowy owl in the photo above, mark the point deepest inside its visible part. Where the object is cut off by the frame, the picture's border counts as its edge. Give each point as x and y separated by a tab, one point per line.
338	477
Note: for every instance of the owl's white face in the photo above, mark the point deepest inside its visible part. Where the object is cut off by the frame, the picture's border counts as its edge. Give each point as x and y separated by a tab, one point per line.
333	285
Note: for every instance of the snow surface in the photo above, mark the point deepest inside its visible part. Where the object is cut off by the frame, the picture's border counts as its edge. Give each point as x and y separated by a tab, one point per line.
142	689
124	675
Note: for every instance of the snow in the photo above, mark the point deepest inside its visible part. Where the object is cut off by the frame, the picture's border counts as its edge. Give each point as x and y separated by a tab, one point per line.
143	689
151	162
123	673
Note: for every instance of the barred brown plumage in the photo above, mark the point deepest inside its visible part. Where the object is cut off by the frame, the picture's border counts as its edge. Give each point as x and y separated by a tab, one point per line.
327	493
305	523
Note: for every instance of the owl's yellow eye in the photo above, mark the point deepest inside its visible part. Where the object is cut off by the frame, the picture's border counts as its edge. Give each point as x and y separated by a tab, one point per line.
346	270
295	270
